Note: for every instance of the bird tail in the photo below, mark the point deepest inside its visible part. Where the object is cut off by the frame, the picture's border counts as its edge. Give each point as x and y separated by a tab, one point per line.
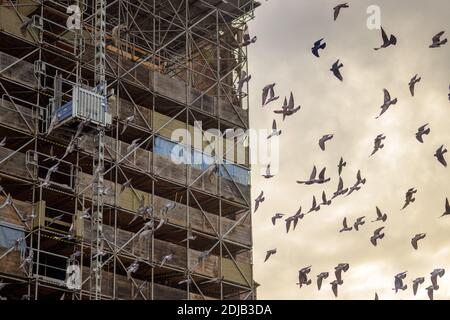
393	40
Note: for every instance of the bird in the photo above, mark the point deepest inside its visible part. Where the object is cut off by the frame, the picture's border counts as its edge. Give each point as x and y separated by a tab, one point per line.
387	41
125	185
270	253
423	130
380	216
298	216
166	258
27	261
50	171
288	109
340	189
341	165
412	84
247	40
434	276
203	255
398	282
341	267
357	185
377	235
416	283
56	218
3	285
190	236
6	202
187	281
447	208
295	218
288	221
388	101
334	287
269	92
312	177
244	78
437	42
132	268
134	145
52	156
322	178
147	230
317	46
127	121
25	25
338	8
409	197
268	175
345	226
335	69
320	277
303	276
416	238
359	222
274	132
314	206
276	216
115	34
430	290
325	202
259	199
324	139
439	154
378	143
169	205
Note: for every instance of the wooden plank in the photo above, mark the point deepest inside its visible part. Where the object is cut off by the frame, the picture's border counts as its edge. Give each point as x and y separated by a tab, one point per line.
12	117
205	223
22	71
15	165
125	289
208	267
10	264
9	215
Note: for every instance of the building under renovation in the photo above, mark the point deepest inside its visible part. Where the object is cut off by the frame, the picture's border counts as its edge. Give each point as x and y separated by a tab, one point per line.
92	203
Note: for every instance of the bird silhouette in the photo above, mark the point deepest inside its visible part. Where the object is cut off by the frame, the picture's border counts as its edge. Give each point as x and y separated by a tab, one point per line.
387	41
337	9
317	46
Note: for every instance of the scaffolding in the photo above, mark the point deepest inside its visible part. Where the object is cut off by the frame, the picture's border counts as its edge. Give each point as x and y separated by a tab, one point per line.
91	205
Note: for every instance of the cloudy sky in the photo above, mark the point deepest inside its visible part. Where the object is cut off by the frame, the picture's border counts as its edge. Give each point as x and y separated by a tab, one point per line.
286	30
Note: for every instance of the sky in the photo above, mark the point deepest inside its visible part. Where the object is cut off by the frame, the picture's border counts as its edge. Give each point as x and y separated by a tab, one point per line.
286	31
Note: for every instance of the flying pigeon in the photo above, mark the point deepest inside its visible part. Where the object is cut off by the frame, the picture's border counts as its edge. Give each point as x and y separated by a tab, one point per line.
412	84
439	154
437	42
387	41
324	139
388	101
317	46
335	69
377	235
416	238
423	130
338	8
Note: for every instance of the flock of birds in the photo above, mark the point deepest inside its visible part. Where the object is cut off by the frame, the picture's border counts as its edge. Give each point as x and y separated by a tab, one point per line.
289	109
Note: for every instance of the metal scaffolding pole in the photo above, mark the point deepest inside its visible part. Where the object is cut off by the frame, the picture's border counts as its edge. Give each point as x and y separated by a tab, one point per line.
98	160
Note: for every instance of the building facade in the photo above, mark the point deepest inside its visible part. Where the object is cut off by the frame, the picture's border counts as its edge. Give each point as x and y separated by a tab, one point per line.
94	96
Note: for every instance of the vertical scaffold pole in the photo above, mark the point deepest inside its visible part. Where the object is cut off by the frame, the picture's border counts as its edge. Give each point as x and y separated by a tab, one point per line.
98	161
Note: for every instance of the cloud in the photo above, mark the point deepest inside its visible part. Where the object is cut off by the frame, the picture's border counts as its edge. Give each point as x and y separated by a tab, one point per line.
286	31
